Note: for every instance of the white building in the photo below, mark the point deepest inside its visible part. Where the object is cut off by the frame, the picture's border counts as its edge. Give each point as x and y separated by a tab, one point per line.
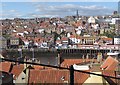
117	40
114	20
91	20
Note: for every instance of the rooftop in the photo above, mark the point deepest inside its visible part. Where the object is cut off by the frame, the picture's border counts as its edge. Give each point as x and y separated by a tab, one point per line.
54	76
5	66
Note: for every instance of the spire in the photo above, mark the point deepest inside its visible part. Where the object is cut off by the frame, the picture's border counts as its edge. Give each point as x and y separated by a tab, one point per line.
77	14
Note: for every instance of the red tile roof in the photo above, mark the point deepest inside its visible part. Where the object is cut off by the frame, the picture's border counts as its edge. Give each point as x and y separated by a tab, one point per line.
80	77
5	66
48	76
58	41
72	36
55	76
17	69
77	24
78	37
64	39
61	25
36	39
38	67
109	64
109	39
109	67
110	73
69	62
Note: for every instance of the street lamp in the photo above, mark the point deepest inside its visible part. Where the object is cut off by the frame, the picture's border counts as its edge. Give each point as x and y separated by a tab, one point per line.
20	51
58	51
33	55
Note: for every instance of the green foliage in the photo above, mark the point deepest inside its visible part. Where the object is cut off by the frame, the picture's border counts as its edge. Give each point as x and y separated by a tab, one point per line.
113	26
109	34
7	36
56	35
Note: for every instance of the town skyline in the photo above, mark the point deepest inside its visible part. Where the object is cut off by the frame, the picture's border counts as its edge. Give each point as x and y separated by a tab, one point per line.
51	42
55	9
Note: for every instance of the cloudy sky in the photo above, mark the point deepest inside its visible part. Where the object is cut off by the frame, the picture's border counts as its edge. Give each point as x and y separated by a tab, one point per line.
55	9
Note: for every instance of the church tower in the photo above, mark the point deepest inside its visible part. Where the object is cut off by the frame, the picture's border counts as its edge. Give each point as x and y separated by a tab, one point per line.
77	15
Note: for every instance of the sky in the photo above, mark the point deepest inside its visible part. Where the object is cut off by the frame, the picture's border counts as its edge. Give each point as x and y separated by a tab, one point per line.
55	9
59	0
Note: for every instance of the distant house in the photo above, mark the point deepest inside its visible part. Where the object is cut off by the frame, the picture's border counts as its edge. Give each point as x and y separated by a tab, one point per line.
32	35
107	40
72	39
3	42
26	43
15	73
117	27
65	42
88	40
114	19
75	39
44	45
15	42
117	40
91	20
58	43
78	40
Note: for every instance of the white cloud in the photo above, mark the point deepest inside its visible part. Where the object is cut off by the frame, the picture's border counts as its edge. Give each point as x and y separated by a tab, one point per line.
12	11
70	9
34	15
37	10
45	10
10	14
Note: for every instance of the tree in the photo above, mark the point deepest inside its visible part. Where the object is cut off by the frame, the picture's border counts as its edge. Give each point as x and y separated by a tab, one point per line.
56	35
109	34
